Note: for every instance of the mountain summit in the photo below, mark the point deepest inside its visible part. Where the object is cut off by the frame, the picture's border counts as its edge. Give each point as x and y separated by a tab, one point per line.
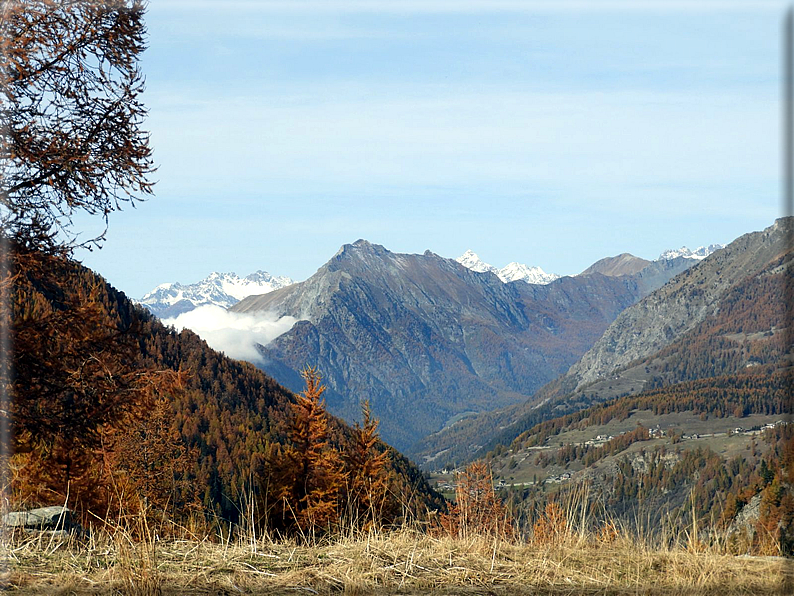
623	264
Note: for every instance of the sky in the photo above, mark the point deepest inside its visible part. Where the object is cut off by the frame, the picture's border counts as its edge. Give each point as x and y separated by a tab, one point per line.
551	133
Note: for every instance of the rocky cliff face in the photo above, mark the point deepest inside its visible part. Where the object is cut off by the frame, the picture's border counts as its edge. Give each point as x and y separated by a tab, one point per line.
428	340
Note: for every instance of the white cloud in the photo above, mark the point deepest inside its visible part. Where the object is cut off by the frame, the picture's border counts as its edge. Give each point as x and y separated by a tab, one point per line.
235	334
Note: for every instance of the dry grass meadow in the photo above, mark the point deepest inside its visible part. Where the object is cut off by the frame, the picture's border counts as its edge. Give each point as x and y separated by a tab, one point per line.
405	561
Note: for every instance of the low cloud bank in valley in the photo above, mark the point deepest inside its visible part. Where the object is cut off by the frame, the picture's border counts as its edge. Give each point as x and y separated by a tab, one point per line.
235	334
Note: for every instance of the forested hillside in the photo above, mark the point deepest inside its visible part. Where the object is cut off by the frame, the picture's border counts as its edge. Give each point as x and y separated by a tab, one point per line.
110	408
707	441
706	448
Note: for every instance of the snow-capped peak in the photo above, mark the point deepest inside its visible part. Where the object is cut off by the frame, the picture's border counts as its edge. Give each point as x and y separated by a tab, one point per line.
220	289
699	253
166	286
470	260
512	272
531	275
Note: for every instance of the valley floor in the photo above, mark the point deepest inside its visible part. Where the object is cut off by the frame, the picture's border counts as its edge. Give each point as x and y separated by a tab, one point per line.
401	562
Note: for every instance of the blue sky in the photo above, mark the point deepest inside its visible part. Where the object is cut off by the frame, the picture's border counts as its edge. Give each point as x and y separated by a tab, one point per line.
549	133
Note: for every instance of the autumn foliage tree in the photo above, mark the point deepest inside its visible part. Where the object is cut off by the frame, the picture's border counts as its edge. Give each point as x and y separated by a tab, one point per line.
149	460
552	527
71	142
315	482
78	382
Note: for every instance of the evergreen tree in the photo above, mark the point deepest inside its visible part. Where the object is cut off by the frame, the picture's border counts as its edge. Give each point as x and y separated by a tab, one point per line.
477	509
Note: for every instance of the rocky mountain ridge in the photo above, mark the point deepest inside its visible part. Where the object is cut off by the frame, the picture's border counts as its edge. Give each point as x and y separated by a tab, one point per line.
682	304
622	264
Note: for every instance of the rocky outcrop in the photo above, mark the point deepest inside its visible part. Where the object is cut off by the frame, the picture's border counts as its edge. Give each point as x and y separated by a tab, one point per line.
742	528
48	519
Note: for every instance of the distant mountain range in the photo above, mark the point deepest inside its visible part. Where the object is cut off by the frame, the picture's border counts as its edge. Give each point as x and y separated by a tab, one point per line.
623	264
429	340
221	289
716	317
699	253
171	299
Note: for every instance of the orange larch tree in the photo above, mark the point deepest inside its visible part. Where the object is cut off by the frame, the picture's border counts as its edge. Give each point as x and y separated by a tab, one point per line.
77	380
367	486
477	510
306	477
70	115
